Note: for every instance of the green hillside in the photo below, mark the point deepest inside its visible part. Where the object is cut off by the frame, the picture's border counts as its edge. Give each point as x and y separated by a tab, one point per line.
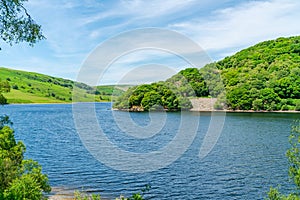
263	77
29	87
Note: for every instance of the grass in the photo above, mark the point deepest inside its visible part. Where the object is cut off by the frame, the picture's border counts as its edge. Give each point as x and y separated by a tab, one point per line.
30	87
16	96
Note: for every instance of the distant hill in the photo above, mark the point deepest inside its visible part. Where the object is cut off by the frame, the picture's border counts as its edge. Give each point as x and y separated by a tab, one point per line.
265	76
30	87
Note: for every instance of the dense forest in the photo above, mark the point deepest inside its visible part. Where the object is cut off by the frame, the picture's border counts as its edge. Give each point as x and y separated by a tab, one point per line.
155	96
263	77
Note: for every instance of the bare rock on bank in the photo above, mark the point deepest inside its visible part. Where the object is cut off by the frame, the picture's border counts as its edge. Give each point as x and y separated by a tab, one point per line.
203	104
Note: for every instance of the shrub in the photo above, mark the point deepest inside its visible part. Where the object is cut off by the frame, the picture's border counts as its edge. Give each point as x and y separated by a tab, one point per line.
297	107
20	179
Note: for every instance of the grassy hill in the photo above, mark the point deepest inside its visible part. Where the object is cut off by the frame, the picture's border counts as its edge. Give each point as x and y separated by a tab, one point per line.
30	87
265	76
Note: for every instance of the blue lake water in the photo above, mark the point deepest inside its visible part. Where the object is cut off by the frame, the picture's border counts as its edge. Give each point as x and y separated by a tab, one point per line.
248	158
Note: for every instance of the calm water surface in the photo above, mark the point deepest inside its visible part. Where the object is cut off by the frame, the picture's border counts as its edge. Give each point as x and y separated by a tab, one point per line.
248	158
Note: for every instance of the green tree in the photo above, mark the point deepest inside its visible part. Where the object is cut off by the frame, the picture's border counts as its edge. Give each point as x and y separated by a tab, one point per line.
16	25
293	155
155	96
239	98
20	179
269	99
190	82
152	101
4	87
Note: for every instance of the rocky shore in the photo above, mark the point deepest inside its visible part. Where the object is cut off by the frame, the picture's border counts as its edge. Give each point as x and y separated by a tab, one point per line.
207	105
203	104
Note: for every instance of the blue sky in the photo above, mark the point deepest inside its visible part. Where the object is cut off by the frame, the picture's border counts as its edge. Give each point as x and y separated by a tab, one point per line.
74	28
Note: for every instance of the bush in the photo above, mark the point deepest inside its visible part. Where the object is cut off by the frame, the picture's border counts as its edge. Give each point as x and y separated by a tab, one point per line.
285	107
82	196
3	100
137	196
257	104
20	179
297	107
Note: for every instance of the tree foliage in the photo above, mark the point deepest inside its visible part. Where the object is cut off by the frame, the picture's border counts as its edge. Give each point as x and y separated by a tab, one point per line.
16	25
4	87
190	82
20	179
293	155
155	96
263	77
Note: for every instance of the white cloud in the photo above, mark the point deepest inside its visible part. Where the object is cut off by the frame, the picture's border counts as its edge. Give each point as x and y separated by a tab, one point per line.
125	15
139	10
237	27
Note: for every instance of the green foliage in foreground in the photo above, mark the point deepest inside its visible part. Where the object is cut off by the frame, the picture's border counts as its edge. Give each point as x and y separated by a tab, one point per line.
29	87
20	179
293	155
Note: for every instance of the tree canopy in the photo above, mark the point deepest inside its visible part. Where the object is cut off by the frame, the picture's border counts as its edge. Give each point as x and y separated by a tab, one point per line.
155	96
16	25
264	77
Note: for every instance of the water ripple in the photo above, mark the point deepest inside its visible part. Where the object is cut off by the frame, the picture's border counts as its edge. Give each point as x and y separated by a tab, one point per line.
248	158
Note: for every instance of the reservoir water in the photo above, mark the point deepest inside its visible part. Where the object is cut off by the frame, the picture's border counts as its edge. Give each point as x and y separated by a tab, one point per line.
247	159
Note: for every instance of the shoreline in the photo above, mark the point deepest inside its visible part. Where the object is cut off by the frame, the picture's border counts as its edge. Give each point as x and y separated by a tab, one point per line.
207	105
248	111
191	110
55	103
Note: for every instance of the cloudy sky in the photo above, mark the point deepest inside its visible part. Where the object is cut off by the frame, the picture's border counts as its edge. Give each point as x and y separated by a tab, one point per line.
74	28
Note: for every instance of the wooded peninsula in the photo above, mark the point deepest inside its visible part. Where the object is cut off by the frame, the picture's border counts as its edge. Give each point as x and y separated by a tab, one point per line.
264	77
